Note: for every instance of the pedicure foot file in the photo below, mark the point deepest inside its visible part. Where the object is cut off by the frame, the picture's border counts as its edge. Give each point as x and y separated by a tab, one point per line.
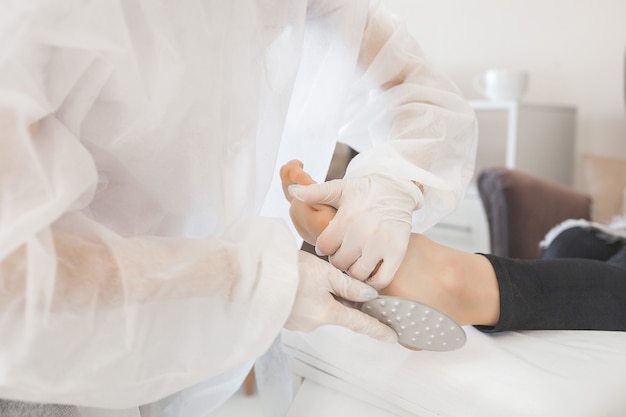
418	325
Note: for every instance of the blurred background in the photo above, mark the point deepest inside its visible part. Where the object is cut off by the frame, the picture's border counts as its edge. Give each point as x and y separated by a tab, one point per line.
573	50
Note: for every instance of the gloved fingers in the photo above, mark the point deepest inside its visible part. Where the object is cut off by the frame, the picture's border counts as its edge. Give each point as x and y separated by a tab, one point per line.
351	304
363	267
369	256
389	257
360	322
345	256
350	289
385	272
331	238
328	192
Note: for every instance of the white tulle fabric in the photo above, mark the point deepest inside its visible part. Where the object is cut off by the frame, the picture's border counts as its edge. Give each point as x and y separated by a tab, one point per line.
139	146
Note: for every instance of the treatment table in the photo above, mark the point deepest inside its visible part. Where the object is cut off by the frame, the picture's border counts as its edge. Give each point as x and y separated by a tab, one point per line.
534	373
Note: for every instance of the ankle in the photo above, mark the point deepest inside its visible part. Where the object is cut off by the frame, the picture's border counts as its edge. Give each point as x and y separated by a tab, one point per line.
458	283
471	282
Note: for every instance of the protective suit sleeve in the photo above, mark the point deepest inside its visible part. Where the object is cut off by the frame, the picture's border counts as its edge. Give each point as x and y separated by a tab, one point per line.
417	141
93	318
408	121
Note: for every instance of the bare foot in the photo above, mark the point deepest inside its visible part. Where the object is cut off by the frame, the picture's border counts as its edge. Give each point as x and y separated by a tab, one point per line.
462	285
309	219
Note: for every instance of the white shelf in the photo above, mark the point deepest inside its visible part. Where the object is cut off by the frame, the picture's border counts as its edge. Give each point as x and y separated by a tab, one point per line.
536	138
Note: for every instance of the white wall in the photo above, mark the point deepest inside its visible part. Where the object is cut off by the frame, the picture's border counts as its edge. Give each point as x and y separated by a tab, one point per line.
574	51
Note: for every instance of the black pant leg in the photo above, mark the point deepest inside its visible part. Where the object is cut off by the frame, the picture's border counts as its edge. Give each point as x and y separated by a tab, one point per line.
559	294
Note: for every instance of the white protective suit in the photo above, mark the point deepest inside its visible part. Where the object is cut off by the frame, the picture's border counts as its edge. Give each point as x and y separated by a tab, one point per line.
140	141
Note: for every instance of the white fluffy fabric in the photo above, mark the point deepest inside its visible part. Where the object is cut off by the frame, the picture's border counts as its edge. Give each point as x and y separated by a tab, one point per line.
611	232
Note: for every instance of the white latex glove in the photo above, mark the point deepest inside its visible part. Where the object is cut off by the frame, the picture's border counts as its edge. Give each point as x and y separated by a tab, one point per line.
315	305
372	224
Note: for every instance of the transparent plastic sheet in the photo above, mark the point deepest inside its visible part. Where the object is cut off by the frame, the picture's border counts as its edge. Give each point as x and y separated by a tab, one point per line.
405	118
126	147
418	121
274	380
115	238
201	399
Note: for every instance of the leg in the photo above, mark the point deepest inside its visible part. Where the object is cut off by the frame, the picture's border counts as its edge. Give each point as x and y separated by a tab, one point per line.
462	285
560	294
508	294
579	242
500	294
619	259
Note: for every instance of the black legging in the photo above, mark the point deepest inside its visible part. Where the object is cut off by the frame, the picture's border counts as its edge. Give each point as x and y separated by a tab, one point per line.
579	285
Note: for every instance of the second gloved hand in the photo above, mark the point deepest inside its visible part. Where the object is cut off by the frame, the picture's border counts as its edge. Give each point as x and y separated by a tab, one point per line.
315	305
369	235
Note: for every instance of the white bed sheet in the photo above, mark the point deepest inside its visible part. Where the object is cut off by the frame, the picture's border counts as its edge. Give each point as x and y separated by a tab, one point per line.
540	373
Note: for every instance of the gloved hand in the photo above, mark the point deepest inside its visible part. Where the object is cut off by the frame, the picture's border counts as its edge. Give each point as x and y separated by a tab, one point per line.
369	235
315	305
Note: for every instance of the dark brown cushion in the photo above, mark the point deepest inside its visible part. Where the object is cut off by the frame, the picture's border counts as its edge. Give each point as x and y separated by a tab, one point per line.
522	208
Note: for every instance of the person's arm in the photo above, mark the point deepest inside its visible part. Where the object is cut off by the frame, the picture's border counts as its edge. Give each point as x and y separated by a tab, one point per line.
95	318
90	317
421	126
417	138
